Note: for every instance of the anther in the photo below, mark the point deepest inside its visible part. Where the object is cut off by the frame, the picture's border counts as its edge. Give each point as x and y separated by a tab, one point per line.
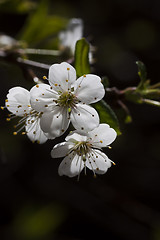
14	133
8	119
44	77
66	80
62	130
29	105
84	75
82	128
46	105
101	141
6	100
23	133
2	108
37	86
56	84
68	69
37	100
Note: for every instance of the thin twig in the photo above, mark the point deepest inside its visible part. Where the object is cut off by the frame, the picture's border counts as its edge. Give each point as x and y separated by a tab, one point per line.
33	63
40	51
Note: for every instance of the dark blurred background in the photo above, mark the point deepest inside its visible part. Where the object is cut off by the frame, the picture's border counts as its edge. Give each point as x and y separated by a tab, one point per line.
35	202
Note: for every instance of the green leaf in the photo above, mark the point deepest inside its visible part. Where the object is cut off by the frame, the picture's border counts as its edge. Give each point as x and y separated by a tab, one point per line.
37	222
17	6
128	119
142	74
107	115
40	26
81	64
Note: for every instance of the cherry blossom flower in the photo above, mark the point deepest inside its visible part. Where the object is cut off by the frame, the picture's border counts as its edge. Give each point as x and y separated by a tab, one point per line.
83	150
18	103
71	35
66	99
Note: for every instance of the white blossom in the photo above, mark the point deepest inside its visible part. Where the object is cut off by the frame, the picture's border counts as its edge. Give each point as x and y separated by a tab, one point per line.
72	34
83	150
18	103
66	99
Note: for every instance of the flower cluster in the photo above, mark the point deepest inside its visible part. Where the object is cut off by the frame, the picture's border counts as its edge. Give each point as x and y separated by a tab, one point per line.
47	110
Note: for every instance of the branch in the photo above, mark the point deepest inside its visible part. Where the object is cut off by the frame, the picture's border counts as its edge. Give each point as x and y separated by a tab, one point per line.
33	63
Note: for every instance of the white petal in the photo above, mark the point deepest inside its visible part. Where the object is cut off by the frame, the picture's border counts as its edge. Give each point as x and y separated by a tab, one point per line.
55	123
98	162
61	149
84	117
89	88
103	135
76	136
18	101
34	131
62	75
72	34
71	165
42	97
